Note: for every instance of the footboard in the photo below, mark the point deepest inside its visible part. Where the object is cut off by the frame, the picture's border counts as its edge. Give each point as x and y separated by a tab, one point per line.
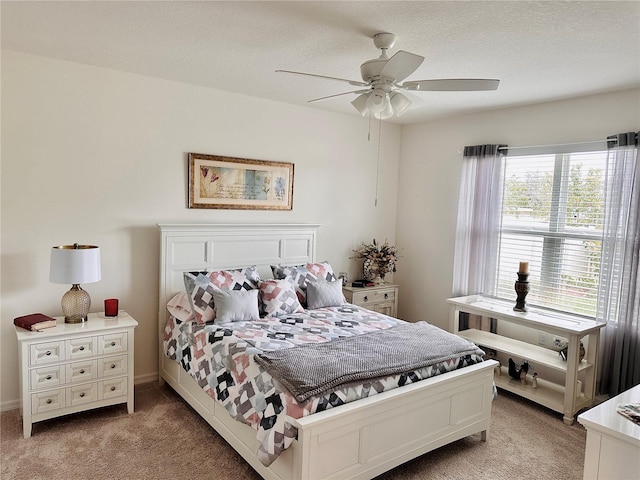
365	438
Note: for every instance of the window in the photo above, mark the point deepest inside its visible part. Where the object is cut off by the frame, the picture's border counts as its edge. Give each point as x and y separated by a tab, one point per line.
552	217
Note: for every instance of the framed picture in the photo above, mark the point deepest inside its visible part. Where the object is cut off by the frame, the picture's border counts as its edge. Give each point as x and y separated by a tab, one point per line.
239	183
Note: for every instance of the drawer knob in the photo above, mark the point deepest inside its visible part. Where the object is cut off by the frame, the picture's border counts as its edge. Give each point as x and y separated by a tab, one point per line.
81	348
48	377
49	401
81	394
366	298
113	388
82	371
113	365
113	344
48	352
386	295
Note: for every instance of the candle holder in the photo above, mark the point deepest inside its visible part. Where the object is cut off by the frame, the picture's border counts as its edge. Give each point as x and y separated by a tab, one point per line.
522	288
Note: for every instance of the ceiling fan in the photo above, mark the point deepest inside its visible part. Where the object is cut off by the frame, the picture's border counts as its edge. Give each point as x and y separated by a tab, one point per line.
382	76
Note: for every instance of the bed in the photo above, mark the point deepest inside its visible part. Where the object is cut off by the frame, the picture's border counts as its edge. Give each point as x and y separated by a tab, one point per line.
360	439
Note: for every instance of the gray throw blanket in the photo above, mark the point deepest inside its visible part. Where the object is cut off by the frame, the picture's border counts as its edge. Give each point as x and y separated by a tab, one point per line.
317	368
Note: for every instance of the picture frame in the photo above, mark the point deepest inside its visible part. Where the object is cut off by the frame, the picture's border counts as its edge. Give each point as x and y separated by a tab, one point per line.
239	183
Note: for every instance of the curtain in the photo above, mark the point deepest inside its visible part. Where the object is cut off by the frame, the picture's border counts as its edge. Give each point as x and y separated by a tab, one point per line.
619	290
479	217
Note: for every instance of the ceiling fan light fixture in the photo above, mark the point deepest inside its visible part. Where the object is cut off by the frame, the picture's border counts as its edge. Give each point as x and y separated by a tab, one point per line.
360	104
377	100
399	102
386	113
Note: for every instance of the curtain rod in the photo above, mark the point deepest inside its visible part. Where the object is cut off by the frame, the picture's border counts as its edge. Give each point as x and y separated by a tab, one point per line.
560	144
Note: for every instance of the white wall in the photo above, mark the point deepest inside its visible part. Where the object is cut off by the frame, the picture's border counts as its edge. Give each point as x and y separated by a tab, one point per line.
430	174
98	156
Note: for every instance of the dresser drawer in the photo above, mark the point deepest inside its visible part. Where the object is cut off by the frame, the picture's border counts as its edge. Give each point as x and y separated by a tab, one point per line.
114	387
43	353
82	371
109	366
112	343
47	401
83	347
47	377
79	394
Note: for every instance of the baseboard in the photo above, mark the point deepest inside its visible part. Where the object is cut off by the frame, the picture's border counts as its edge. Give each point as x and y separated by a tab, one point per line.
146	378
10	405
139	379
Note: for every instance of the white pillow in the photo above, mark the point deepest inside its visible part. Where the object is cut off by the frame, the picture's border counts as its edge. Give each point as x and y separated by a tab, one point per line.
324	294
236	305
180	307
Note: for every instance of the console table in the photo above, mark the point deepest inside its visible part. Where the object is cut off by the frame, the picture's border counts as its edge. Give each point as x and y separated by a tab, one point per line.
566	399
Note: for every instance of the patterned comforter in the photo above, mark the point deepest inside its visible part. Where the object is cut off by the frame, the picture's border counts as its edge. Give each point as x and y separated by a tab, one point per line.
221	359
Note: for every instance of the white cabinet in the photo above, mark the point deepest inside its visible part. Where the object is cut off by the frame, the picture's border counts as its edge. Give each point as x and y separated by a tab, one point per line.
613	441
567	398
75	366
380	298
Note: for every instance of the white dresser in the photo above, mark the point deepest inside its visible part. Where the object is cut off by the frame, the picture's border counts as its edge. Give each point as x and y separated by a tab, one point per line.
75	366
613	441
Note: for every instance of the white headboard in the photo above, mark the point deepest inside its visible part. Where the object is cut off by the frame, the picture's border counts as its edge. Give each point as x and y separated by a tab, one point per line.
200	247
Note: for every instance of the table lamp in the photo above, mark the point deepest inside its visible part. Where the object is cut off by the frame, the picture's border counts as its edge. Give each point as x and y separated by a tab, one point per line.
75	264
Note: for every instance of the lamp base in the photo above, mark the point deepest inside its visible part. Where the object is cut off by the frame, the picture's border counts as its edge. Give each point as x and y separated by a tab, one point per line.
75	305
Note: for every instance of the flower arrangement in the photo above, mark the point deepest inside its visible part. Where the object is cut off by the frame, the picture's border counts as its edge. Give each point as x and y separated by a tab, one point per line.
378	259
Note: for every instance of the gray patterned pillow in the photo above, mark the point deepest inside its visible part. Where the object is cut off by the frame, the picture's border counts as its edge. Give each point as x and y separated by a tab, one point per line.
279	297
200	287
302	275
324	294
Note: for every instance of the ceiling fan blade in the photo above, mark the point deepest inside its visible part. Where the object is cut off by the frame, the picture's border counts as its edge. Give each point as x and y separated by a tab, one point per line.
401	65
337	95
350	82
453	84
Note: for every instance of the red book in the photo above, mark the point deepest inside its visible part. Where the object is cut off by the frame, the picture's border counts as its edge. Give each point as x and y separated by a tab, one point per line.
34	322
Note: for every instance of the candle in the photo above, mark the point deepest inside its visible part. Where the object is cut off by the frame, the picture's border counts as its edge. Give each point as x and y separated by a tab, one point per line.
524	267
111	307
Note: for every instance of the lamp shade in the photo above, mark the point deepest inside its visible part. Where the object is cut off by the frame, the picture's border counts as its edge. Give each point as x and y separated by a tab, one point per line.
75	264
360	104
399	102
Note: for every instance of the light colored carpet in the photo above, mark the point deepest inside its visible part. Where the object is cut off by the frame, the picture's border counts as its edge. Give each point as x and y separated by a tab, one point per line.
165	439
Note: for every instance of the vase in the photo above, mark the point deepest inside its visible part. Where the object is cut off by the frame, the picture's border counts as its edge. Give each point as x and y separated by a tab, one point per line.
369	270
373	272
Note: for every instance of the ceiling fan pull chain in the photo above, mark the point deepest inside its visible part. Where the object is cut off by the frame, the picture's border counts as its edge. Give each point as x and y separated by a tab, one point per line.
369	132
375	204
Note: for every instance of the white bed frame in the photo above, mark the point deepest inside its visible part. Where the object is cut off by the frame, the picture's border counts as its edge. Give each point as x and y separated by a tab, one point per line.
361	439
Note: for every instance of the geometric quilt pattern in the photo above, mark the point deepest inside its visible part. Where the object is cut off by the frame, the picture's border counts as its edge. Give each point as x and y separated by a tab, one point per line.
220	358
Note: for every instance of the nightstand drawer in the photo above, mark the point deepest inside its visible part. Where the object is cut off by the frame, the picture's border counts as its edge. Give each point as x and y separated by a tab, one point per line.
46	401
115	387
47	377
82	371
79	394
110	366
42	353
374	296
81	348
114	343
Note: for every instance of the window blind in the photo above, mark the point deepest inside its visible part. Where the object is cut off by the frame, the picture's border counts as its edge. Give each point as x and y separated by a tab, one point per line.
552	217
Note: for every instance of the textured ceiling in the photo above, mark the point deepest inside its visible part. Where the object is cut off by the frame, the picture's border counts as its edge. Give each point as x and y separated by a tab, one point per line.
541	51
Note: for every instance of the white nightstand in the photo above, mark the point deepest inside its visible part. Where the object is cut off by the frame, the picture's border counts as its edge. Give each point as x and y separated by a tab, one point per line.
380	298
75	366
